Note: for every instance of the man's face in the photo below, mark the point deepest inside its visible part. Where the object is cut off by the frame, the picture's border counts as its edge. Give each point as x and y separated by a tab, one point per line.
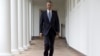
49	5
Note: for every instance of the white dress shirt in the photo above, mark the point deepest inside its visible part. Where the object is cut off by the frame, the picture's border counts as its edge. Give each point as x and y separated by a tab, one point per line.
49	13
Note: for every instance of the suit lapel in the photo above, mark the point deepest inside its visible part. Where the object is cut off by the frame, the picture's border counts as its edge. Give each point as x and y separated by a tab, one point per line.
52	16
47	16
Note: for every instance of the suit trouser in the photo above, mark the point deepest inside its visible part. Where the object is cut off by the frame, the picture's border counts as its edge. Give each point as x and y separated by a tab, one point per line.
49	43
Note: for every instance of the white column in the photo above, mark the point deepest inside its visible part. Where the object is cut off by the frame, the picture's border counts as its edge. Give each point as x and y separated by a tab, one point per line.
32	19
32	9
67	21
30	5
20	26
26	18
71	4
14	27
24	26
27	7
5	32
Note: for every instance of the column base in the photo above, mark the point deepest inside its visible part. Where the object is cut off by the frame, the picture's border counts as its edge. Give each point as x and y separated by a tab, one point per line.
15	51
6	54
28	45
21	49
25	47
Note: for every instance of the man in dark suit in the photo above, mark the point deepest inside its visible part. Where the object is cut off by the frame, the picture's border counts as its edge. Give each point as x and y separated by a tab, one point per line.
49	28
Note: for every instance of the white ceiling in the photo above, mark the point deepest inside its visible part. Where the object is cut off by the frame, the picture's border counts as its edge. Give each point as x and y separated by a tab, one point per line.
43	1
39	0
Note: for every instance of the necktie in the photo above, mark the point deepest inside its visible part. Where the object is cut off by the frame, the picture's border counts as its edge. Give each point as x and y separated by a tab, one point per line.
49	15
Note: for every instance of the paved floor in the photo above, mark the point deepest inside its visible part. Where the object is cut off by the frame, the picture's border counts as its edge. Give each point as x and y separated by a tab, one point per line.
61	49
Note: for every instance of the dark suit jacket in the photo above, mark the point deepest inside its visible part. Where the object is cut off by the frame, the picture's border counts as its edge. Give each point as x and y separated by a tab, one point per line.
45	25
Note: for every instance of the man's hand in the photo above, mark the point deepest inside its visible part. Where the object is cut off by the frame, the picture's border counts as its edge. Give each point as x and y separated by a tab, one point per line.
41	35
57	34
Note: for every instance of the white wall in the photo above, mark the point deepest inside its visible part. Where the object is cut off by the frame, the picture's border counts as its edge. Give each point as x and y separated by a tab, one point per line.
76	26
37	6
83	25
36	21
94	28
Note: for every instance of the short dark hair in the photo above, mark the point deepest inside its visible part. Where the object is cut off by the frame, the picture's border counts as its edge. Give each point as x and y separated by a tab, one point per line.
49	1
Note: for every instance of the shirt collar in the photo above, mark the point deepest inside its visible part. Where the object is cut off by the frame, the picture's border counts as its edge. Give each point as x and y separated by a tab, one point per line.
49	10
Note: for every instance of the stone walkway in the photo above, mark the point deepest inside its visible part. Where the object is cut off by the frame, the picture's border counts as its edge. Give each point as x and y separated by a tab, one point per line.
61	49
